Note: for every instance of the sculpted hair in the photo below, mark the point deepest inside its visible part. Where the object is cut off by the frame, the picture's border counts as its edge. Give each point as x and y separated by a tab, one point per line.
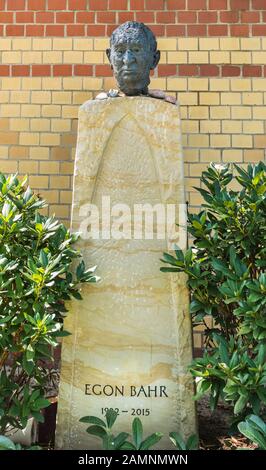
122	30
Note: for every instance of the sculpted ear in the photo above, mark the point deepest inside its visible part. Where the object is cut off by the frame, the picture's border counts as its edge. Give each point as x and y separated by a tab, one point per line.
156	59
108	53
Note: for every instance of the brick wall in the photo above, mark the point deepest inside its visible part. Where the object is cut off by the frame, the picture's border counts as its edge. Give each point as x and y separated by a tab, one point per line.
53	59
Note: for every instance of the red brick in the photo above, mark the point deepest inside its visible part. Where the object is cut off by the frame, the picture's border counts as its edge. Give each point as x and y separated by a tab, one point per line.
1	30
217	4
207	17
175	30
175	4
239	4
56	5
54	30
75	30
264	16
187	17
96	30
207	70
20	70
103	71
136	4
259	30
77	4
230	71
44	17
4	70
34	30
62	70
98	5
264	70
41	70
65	17
25	17
229	16
196	30
6	17
15	30
157	29
154	4
36	5
197	4
165	17
218	30
2	4
83	70
85	17
145	16
258	4
166	70
117	4
239	30
252	71
16	4
187	70
110	28
250	16
105	17
125	16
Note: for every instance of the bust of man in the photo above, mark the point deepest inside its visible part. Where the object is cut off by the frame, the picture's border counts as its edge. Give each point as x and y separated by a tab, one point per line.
133	54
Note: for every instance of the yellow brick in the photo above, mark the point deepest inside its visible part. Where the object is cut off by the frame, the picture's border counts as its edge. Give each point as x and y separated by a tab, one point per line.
61	125
9	138
190	183
31	57
49	168
39	153
260	141
73	57
253	155
190	126
230	98
41	44
177	57
188	98
209	98
31	83
220	141
51	110
42	97
86	44
195	199
240	57
187	44
167	44
184	139
11	83
66	197
20	96
90	83
19	44
184	112
242	84
252	98
29	138
8	167
19	152
198	57
30	110
70	112
234	156
231	127
28	167
159	83
5	44
198	112
61	97
4	96
51	196
93	57
50	139
60	182
207	44
196	169
40	125
81	97
250	43
219	112
210	155
4	124
163	58
219	84
38	182
212	126
10	110
259	112
52	57
242	141
72	83
176	84
259	84
11	57
200	84
52	83
3	152
67	168
61	210
219	57
229	44
62	44
253	127
241	112
19	124
198	140
108	83
259	57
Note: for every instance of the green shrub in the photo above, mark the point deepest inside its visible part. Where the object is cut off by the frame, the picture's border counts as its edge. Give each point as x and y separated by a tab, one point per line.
227	281
36	253
254	429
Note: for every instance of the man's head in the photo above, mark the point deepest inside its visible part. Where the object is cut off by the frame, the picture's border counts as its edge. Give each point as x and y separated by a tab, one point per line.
133	54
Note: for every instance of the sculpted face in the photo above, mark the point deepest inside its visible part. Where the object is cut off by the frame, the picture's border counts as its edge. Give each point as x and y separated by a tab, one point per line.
132	55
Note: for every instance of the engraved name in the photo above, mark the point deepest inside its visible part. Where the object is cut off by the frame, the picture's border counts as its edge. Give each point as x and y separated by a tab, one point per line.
148	391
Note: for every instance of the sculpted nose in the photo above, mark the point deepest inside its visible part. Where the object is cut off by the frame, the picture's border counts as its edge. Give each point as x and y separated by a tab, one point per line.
128	57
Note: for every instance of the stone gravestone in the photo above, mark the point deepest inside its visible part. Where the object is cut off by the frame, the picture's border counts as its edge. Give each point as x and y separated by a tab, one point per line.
131	335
